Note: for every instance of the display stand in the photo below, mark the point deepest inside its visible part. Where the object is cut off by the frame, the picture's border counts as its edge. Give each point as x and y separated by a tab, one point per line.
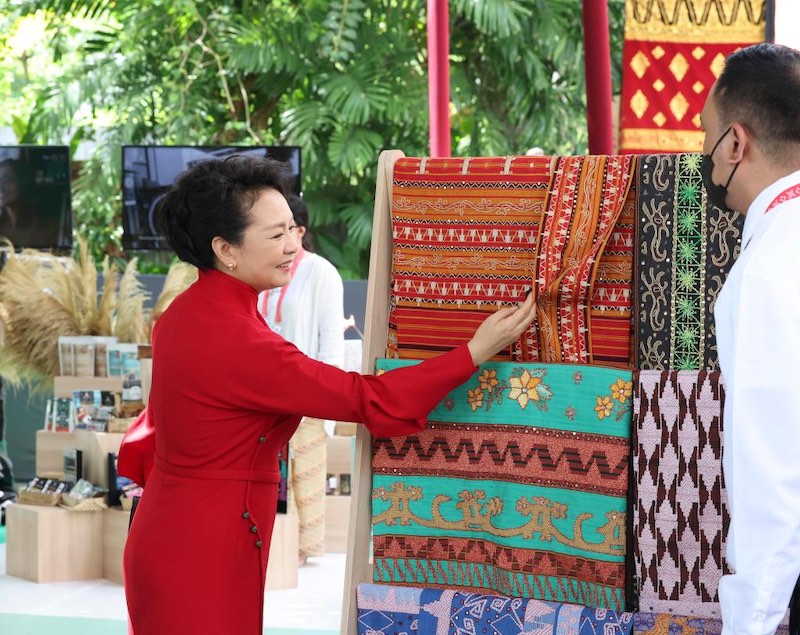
50	452
50	544
337	505
376	331
283	553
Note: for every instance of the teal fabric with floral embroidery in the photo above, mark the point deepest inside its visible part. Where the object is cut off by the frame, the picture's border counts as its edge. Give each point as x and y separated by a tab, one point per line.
517	486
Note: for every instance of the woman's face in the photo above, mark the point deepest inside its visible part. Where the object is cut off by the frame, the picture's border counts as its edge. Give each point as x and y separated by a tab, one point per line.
9	187
264	258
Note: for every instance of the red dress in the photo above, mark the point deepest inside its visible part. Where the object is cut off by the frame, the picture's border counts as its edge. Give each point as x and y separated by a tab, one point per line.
226	394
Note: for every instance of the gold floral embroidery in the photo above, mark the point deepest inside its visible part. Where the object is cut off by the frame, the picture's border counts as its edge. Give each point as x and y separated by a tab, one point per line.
621	390
527	386
617	403
475	398
488	379
604	407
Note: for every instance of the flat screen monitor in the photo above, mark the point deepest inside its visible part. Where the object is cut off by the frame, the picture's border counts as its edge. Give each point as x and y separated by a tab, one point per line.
149	171
35	201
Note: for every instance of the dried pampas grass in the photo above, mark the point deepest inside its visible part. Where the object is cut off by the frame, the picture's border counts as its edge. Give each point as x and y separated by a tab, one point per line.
180	277
43	297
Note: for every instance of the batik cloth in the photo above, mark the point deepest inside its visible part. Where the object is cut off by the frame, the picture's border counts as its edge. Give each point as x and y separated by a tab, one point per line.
391	610
681	516
685	248
585	199
387	610
466	235
518	486
672	54
447	612
667	624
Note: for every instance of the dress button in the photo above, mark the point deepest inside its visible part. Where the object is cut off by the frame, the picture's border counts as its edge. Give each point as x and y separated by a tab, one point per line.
259	543
262	438
246	515
253	529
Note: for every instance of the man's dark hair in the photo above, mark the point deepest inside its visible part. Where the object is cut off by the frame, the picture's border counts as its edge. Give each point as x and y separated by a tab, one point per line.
760	88
300	215
213	198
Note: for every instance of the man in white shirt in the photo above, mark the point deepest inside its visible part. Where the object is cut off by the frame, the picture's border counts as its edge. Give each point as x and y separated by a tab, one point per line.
752	164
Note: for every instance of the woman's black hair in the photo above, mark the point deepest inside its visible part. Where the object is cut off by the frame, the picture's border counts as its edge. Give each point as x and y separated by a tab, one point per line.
300	215
213	198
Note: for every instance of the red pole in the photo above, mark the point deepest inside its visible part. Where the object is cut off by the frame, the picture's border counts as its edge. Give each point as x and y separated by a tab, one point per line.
439	77
597	60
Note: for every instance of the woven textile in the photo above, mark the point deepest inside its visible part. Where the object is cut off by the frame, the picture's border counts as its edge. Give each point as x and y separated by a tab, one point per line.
681	515
611	309
464	242
668	624
673	52
685	249
309	456
517	486
455	613
584	202
387	610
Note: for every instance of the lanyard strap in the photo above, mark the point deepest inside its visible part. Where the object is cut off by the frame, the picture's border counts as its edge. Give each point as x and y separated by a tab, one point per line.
791	192
265	302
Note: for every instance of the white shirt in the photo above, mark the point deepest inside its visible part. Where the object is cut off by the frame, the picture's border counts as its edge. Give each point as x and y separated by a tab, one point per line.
757	316
312	310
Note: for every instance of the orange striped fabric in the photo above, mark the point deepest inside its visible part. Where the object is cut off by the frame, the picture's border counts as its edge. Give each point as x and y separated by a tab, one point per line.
471	235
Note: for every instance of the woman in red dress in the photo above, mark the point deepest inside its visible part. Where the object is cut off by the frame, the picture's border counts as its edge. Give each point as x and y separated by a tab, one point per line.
227	393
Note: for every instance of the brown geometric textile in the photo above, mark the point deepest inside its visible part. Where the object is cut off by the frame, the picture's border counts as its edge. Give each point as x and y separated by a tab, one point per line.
680	517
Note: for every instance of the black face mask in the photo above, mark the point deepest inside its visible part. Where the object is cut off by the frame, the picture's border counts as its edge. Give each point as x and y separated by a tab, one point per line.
716	193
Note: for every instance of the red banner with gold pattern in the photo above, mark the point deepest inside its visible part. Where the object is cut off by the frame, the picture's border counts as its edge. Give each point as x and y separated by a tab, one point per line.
673	52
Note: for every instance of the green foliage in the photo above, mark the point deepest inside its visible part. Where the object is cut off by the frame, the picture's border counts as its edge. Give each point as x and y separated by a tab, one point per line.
344	79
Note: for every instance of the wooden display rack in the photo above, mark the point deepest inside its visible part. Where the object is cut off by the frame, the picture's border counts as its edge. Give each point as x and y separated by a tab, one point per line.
376	332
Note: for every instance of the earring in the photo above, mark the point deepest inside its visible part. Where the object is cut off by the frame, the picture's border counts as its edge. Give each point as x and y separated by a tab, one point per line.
231	266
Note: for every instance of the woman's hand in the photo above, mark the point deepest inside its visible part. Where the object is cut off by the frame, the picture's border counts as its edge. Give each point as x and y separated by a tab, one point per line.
500	330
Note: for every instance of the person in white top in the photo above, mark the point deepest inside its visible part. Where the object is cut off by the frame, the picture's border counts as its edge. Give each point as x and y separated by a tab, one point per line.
752	164
309	312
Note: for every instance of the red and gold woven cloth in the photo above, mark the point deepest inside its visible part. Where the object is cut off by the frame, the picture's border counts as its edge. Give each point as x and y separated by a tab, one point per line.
471	235
673	52
464	235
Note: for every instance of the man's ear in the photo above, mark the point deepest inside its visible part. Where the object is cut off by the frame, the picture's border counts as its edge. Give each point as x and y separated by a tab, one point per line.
741	140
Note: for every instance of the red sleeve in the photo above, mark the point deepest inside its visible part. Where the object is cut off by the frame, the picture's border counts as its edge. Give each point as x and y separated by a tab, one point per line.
135	459
395	403
138	447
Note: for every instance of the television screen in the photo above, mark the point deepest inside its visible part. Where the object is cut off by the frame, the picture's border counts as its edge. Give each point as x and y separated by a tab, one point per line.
35	202
149	171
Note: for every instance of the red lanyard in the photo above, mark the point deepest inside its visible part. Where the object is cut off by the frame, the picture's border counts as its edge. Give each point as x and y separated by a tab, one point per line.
788	194
295	263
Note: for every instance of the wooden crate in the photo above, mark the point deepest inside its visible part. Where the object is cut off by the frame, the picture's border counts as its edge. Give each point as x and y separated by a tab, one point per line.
337	523
50	544
96	446
284	553
50	452
115	533
340	455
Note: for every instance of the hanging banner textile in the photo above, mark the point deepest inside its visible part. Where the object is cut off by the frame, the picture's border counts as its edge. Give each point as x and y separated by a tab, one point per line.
672	54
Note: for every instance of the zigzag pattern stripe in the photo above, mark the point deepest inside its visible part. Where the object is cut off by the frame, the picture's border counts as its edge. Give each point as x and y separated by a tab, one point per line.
476	578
